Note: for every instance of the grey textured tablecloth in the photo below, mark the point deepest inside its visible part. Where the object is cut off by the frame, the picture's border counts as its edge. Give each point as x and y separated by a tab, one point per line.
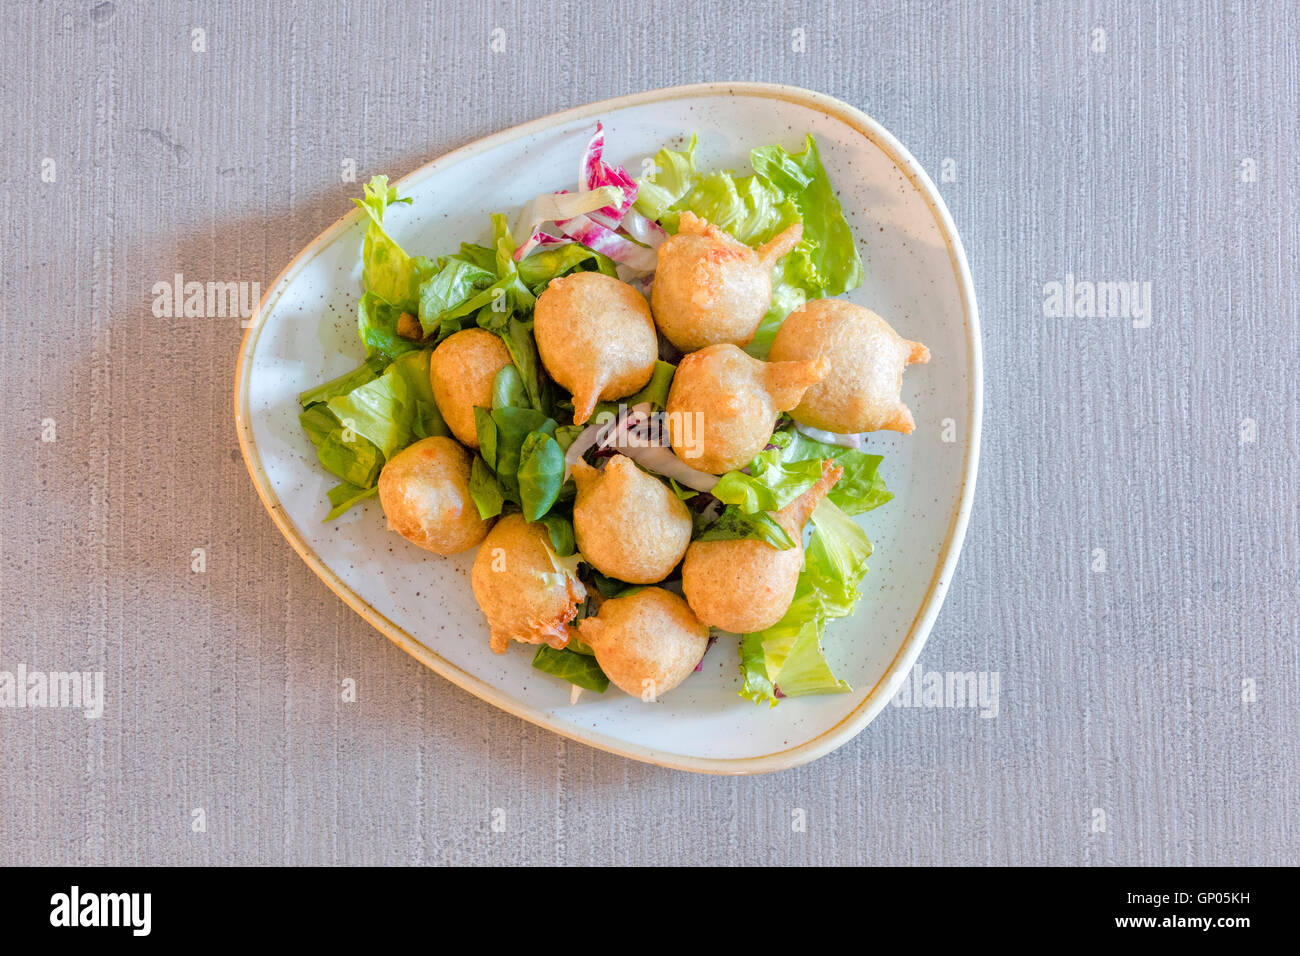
1148	712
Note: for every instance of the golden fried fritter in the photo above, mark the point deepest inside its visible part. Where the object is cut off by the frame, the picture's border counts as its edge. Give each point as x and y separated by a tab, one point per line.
525	593
629	525
647	642
710	288
596	338
746	585
724	403
860	392
424	491
461	371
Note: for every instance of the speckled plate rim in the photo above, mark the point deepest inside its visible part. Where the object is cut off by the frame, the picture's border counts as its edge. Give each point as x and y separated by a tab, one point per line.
853	723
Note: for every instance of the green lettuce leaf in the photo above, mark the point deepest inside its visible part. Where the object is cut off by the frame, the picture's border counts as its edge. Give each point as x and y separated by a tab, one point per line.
735	524
395	409
381	411
563	543
670	180
835	560
377	325
833	255
612	587
387	271
367	371
485	489
520	296
317	421
343	452
522	346
755	684
537	269
789	656
501	434
442	322
344	496
771	484
456	281
508	389
749	208
413	369
540	475
350	456
576	668
860	488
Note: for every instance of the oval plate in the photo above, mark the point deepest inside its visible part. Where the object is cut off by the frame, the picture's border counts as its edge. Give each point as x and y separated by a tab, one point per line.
916	277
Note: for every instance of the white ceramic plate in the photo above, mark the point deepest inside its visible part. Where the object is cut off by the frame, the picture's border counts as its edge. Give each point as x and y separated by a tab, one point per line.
916	277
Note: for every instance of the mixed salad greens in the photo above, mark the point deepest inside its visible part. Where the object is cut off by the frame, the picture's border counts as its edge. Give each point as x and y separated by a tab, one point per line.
611	224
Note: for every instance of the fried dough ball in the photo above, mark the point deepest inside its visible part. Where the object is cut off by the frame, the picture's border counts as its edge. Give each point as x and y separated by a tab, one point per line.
747	585
628	524
525	593
711	288
646	643
867	357
461	371
596	338
424	490
723	404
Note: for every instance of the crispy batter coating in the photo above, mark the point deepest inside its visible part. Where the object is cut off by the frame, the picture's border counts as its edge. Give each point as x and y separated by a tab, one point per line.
723	404
526	595
647	642
860	392
747	585
461	371
628	524
711	288
596	338
424	491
